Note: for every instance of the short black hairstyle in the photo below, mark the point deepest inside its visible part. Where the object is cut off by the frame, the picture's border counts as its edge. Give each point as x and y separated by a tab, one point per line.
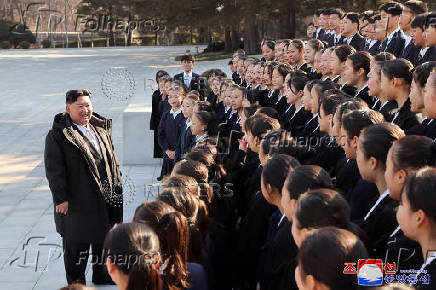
353	17
187	57
337	11
160	74
419	21
416	6
393	8
72	95
430	20
318	12
325	12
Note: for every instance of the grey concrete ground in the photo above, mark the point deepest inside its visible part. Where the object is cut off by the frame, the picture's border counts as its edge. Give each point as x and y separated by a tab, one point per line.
32	89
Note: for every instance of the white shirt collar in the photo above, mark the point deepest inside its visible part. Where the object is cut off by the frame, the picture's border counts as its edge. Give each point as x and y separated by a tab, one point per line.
281	219
381	197
91	137
201	138
188	123
189	75
83	128
372	42
297	110
314	116
407	37
383	105
392	34
423	51
427	262
176	112
289	107
364	87
395	231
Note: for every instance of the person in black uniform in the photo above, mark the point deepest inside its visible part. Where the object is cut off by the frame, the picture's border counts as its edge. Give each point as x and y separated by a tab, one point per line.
401	163
188	77
410	10
382	104
372	150
254	224
290	109
156	112
296	121
311	49
279	249
170	127
186	138
416	217
337	63
419	81
278	77
362	193
318	23
394	41
428	53
356	74
329	152
350	24
417	33
396	77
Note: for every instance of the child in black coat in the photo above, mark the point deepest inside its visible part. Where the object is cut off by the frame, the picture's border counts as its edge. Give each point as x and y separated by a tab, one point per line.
170	127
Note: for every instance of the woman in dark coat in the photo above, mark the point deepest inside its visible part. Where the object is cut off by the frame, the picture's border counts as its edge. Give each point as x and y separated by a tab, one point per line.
158	96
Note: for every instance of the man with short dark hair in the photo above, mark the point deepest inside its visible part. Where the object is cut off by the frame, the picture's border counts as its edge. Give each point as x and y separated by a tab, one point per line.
411	9
350	24
394	41
318	22
188	77
85	181
335	20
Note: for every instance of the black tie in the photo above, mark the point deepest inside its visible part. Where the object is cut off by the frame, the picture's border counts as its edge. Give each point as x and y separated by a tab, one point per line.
384	45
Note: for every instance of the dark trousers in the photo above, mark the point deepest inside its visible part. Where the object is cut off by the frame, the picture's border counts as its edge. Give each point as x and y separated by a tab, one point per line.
76	257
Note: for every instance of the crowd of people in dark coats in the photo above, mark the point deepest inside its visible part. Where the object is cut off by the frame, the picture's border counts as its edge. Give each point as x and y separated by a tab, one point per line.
297	167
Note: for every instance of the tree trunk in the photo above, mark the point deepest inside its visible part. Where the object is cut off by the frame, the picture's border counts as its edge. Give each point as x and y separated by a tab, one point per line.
292	25
285	22
251	35
235	38
228	39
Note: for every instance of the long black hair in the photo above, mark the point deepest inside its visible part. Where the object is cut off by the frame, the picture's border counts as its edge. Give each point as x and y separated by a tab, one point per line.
134	249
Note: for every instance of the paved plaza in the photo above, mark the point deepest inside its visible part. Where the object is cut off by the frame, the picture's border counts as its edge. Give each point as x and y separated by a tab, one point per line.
32	88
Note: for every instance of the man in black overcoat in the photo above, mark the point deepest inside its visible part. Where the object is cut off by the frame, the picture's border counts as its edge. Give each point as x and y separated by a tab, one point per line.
85	181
